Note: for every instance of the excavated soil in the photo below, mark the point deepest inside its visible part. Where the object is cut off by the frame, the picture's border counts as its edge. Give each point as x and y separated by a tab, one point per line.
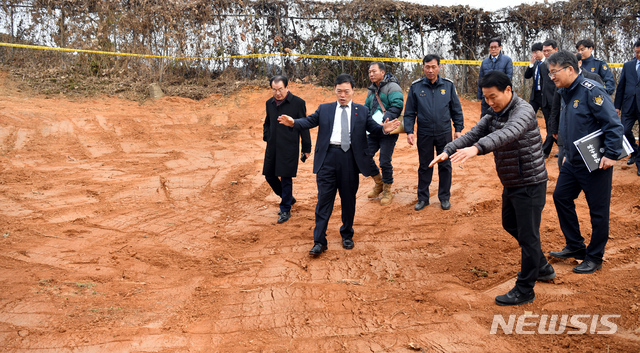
131	227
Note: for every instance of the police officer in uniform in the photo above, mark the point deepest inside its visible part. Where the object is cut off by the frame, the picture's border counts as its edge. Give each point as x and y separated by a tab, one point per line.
585	108
435	103
598	66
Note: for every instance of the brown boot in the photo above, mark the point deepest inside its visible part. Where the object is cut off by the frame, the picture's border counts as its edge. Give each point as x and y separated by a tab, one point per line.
387	195
377	189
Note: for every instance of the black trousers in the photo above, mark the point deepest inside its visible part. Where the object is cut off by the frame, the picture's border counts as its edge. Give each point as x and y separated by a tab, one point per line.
628	120
597	190
521	214
426	146
536	102
339	173
283	187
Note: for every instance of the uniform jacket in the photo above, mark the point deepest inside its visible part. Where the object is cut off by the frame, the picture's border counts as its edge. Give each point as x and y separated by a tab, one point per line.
554	117
435	105
530	72
390	94
282	153
514	138
503	63
361	122
585	108
600	67
628	88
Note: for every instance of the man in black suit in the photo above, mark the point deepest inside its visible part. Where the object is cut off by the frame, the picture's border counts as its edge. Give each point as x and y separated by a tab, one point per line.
282	152
627	101
341	154
533	71
549	47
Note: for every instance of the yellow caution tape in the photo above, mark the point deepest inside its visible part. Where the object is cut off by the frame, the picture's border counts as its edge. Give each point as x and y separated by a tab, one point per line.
24	46
330	57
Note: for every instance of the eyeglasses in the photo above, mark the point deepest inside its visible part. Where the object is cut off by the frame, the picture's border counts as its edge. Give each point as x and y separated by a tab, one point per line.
553	74
279	90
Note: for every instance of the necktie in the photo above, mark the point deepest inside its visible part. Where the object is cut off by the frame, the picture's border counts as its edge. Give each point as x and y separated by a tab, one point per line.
344	133
638	71
538	76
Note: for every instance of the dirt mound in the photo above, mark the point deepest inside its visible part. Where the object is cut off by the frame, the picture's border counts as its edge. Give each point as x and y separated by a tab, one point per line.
149	228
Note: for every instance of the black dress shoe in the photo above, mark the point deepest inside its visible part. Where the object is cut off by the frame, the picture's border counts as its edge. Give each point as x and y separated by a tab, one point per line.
347	244
284	216
546	273
445	204
514	297
631	160
317	249
555	155
638	172
420	205
568	254
587	267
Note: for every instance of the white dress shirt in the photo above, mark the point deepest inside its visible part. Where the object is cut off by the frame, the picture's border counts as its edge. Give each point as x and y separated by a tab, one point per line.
337	124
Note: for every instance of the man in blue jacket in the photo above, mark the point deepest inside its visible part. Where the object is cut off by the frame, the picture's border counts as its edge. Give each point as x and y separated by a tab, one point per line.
585	108
495	62
435	103
627	101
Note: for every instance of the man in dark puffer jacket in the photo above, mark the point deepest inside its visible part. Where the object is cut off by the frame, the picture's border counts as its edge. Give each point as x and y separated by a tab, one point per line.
510	131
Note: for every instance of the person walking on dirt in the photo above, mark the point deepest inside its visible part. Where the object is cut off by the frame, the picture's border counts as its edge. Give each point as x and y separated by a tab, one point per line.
434	103
281	154
510	130
384	101
341	155
585	108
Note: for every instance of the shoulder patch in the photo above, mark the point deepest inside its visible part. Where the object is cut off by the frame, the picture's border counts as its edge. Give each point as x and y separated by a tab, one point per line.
588	85
416	81
598	100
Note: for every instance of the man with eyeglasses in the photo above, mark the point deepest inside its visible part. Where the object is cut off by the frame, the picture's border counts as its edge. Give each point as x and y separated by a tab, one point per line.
283	144
552	127
585	108
495	62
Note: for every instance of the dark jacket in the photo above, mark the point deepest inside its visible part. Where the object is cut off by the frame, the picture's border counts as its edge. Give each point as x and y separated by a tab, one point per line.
283	143
600	67
503	63
548	86
628	88
390	94
530	72
514	138
585	108
554	117
435	105
361	122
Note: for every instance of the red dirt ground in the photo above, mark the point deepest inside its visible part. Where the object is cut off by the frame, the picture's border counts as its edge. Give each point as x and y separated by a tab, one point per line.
149	227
